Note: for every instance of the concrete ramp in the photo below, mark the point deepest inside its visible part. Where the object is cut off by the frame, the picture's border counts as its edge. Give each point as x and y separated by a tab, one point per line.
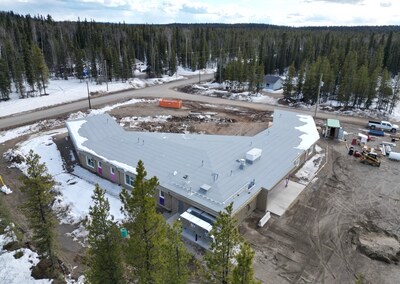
280	198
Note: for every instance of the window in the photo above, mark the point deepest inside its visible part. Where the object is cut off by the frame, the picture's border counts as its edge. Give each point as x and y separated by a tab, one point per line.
129	180
162	198
112	170
99	165
90	161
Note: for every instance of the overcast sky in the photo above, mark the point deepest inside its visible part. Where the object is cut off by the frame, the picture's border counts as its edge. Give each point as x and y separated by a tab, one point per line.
276	12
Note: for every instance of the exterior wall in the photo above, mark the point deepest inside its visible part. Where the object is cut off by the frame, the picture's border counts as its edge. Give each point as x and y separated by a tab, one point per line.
246	210
119	176
273	86
194	232
277	85
262	199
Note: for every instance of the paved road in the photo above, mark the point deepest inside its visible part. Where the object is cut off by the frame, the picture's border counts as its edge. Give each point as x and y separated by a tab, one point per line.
165	90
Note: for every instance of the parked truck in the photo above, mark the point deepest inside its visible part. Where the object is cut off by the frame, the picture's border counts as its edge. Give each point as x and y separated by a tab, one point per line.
383	125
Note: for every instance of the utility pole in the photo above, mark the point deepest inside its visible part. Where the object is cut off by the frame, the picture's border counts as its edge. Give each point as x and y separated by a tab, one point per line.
105	67
186	54
88	93
320	83
220	64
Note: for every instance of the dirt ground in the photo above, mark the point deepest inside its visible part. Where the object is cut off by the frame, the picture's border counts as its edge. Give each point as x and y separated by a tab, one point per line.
344	224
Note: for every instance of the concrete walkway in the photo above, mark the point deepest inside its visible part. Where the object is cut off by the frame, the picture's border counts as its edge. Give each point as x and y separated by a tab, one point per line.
281	197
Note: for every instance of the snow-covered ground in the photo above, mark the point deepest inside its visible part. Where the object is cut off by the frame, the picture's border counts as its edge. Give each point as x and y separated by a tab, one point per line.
13	269
62	91
75	190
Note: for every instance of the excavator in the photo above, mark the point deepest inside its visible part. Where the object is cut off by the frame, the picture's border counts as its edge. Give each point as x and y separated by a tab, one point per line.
370	158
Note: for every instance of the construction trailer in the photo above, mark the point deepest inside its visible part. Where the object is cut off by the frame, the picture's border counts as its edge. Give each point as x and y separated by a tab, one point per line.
333	129
170	103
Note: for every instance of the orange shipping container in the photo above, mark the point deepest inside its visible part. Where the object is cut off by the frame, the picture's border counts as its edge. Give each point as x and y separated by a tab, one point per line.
170	103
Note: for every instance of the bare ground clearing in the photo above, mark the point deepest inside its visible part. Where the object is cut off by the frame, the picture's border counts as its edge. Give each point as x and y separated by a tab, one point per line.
344	224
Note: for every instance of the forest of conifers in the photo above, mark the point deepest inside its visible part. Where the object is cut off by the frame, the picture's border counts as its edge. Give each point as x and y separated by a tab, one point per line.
357	64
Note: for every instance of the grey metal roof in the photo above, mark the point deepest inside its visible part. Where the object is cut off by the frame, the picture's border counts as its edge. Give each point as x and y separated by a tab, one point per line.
271	79
204	159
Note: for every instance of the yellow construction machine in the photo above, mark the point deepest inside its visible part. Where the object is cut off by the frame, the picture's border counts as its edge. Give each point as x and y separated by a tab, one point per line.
370	158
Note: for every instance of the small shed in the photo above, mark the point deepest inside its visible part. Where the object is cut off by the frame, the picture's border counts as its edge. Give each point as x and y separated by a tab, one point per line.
333	129
272	82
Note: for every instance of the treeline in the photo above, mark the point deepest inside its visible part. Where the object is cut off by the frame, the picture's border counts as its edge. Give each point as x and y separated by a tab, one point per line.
107	51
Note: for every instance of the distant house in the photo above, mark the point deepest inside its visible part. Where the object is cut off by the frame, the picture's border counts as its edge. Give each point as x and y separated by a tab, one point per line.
199	175
272	82
139	65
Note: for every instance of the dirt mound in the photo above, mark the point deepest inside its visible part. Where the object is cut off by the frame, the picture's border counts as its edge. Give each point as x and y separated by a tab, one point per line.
14	156
376	243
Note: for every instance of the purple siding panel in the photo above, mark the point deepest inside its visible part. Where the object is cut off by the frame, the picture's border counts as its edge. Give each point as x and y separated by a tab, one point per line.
100	171
113	177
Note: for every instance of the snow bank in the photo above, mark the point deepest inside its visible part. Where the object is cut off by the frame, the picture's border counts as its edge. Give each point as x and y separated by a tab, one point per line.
5	189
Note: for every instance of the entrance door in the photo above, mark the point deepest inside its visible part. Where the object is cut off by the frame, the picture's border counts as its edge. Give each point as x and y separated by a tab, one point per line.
180	207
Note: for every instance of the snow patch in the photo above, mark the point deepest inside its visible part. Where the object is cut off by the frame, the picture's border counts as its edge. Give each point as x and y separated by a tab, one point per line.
17	270
5	189
310	135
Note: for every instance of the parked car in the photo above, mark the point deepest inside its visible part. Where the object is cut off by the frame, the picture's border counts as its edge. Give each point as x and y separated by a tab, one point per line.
383	125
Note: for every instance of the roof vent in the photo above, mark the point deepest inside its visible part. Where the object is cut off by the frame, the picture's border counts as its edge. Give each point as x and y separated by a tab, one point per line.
205	187
253	155
242	164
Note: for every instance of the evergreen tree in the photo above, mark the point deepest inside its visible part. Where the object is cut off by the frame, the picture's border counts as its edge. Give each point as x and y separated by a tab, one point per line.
41	72
4	80
225	241
79	64
28	66
361	86
176	257
385	91
310	88
104	253
243	272
260	77
288	83
396	94
147	229
37	185
300	80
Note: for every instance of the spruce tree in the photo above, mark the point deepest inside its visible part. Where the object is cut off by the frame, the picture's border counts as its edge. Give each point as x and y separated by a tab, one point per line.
288	83
224	243
104	253
176	257
4	80
41	72
147	229
243	272
37	185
